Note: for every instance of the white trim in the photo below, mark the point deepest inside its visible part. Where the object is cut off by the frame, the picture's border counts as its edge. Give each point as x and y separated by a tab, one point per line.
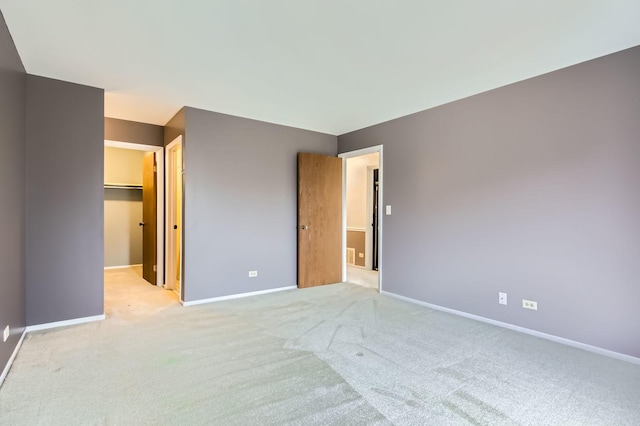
354	229
159	150
236	296
551	337
12	358
344	156
64	323
121	266
131	145
115	185
351	256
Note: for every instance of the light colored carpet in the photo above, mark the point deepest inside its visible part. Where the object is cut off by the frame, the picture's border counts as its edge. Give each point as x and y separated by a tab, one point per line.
339	354
362	277
129	298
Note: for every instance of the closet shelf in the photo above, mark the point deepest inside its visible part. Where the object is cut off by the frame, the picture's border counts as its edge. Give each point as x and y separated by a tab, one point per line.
121	186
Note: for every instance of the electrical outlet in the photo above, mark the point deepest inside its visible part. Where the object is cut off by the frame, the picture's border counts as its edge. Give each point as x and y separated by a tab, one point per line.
530	304
360	255
7	332
253	274
502	298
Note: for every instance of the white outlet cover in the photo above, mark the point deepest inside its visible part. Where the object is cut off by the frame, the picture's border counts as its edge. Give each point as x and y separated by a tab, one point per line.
502	298
388	210
7	333
253	274
530	304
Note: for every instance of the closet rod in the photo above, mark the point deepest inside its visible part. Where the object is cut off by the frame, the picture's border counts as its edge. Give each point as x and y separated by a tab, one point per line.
107	186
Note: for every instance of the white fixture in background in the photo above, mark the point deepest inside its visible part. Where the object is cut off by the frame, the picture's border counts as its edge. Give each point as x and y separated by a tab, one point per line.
502	298
530	304
7	332
253	274
388	210
351	256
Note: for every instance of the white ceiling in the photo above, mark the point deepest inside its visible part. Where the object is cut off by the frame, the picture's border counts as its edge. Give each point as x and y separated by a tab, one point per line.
326	65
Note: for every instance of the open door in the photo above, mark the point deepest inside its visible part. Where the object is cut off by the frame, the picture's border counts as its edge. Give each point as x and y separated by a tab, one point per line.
173	250
319	220
149	205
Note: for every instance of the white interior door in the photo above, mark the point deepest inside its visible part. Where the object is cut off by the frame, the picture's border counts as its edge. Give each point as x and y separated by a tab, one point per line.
174	216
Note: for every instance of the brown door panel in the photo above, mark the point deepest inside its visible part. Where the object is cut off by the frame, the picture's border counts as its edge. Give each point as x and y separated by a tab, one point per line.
149	207
319	220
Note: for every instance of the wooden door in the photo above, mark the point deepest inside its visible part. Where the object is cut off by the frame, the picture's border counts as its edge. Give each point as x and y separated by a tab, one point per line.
149	206
319	220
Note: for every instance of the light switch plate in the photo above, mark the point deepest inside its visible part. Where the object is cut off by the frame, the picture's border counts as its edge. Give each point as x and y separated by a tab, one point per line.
388	210
7	332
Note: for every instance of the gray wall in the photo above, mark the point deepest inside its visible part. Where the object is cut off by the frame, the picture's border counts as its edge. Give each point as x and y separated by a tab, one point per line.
123	166
122	233
12	195
133	132
175	127
241	202
65	157
531	189
122	207
172	129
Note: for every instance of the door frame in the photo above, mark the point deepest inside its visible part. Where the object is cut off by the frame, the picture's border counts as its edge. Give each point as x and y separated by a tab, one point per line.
158	150
358	153
368	230
167	205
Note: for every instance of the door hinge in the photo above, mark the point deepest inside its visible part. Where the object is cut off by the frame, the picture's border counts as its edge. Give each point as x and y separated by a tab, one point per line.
155	268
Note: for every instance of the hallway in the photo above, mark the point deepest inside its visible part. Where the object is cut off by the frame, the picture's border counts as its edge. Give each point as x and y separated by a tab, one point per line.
362	277
127	296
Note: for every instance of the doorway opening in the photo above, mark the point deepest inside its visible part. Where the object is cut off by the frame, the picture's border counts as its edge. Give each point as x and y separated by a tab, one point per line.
134	210
362	224
174	223
133	227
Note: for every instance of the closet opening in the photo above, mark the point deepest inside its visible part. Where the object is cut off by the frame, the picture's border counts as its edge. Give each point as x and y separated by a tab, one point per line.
133	224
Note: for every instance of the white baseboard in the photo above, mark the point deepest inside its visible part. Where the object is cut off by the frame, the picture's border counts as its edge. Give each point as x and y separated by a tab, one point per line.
65	323
235	296
551	337
12	358
121	266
